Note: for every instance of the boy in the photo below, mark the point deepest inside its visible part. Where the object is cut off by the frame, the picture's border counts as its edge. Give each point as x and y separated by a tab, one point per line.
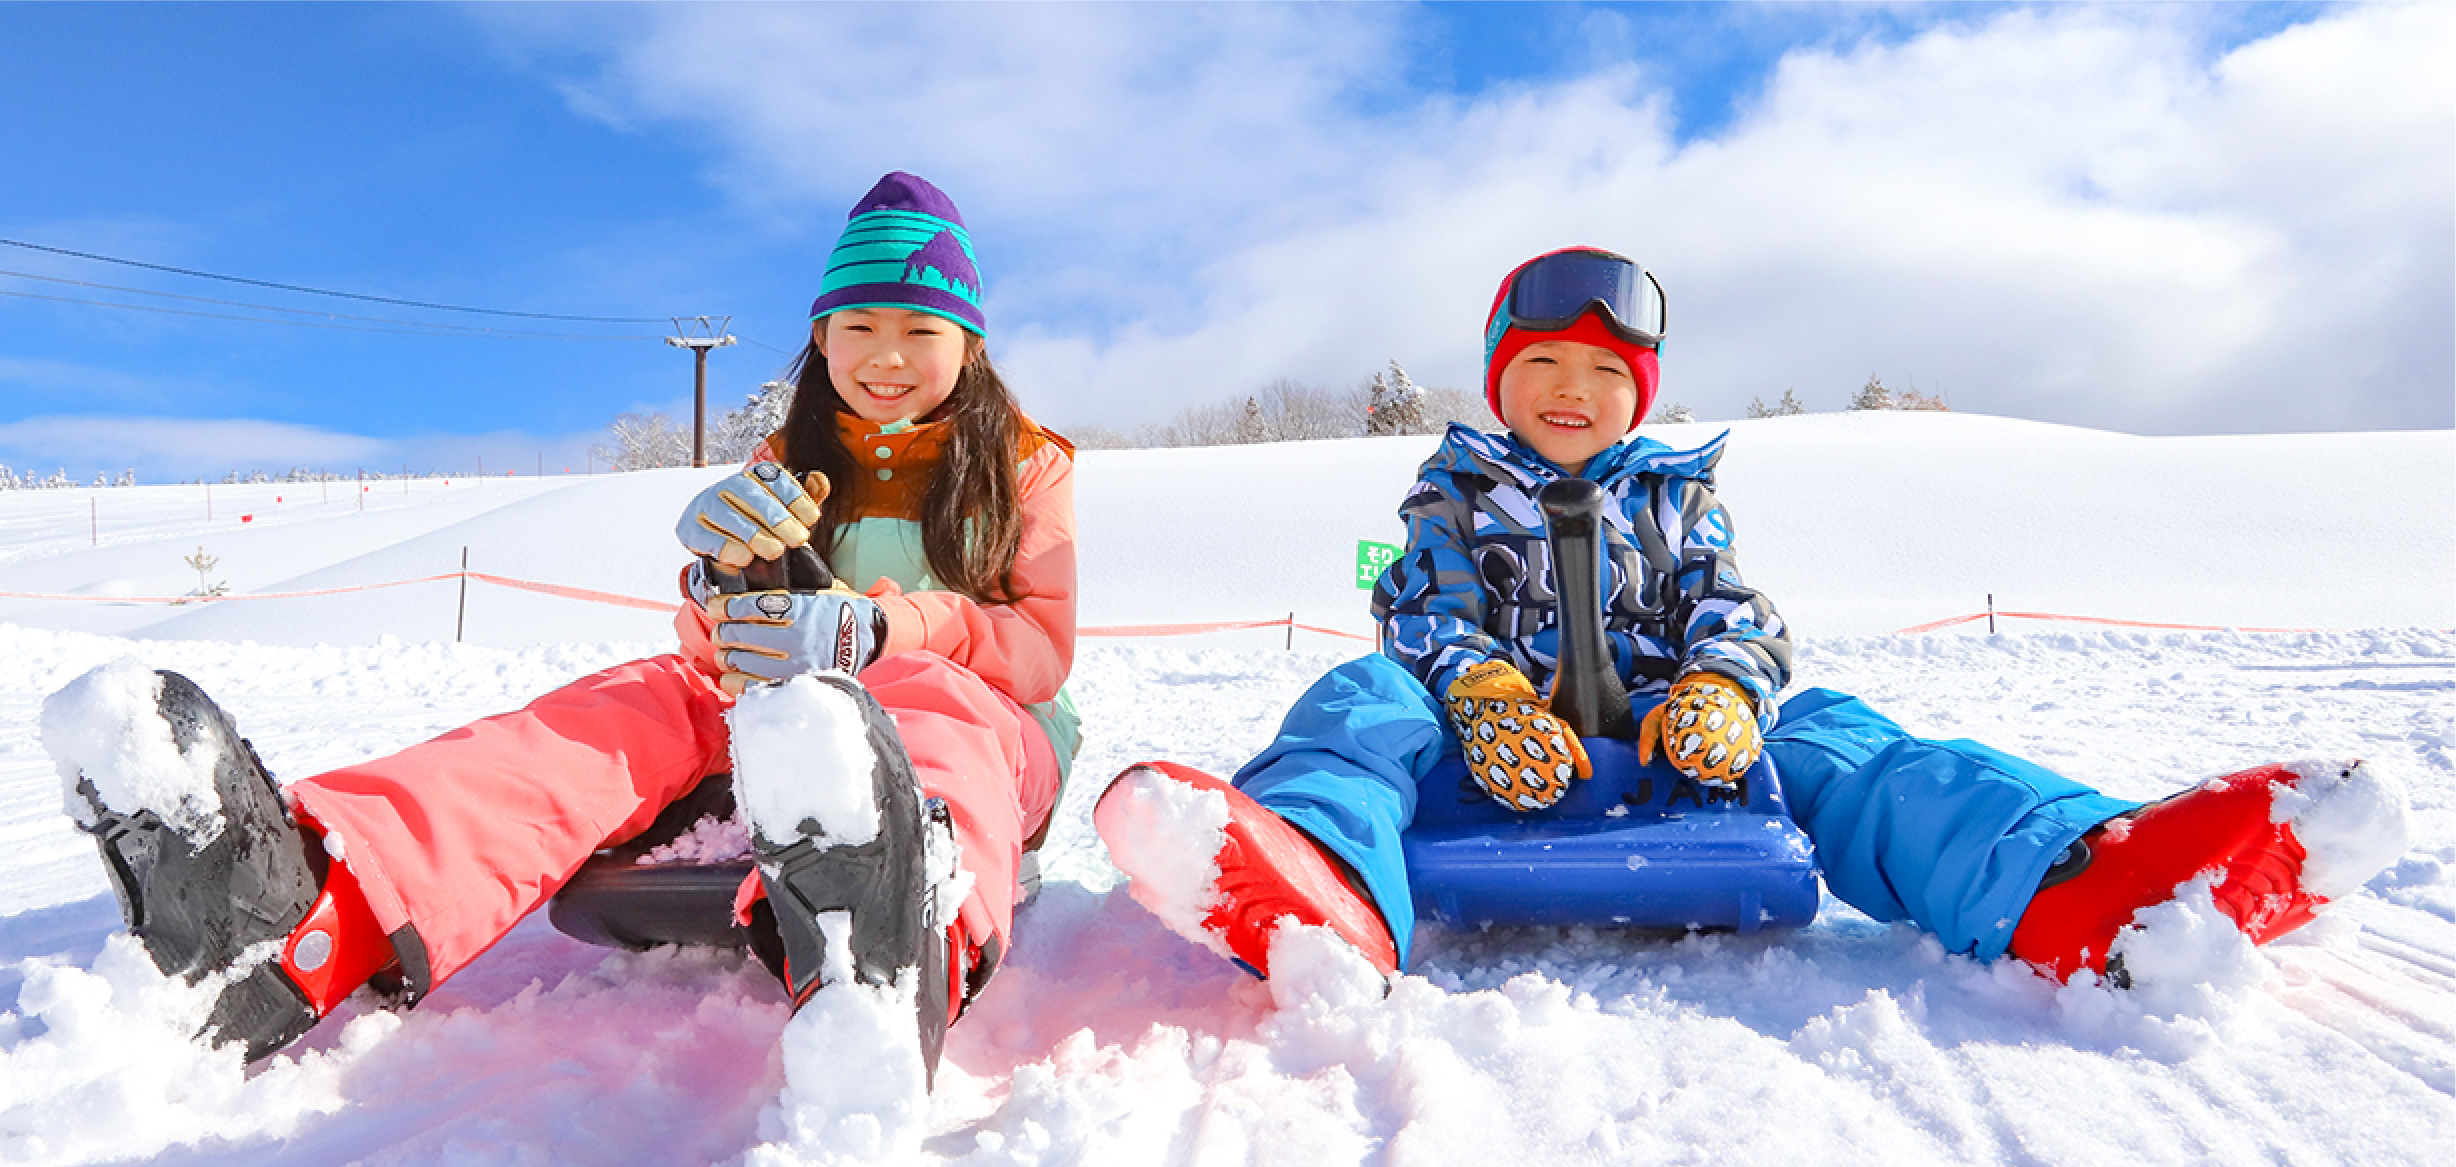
1991	853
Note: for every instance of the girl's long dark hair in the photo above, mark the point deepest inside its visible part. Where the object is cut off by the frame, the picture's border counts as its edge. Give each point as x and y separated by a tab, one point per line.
971	517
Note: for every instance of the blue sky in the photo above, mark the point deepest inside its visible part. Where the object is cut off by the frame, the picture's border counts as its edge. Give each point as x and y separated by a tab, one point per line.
2159	219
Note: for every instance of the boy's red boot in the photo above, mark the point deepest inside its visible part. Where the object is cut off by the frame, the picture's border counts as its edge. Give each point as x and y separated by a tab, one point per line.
2277	843
1223	871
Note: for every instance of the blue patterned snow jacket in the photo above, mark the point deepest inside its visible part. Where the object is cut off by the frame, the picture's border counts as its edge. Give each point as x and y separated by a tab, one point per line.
1475	581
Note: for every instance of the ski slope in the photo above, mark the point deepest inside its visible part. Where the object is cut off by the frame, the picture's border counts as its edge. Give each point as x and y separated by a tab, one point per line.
1106	1040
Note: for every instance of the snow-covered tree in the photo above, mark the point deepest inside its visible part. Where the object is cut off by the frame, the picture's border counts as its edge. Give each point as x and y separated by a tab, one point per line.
737	435
1789	406
646	441
1671	413
1251	427
1394	405
1872	395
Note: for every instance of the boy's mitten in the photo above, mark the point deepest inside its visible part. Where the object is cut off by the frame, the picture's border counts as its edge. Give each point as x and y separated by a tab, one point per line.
1517	751
1707	730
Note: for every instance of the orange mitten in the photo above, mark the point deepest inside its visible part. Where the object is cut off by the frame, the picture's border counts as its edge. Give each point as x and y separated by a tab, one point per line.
1707	730
1518	752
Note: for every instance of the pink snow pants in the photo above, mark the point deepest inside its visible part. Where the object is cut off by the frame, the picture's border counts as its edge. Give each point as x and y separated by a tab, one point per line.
459	838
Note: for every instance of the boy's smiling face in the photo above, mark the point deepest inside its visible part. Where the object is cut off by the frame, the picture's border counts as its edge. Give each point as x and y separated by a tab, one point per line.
1570	401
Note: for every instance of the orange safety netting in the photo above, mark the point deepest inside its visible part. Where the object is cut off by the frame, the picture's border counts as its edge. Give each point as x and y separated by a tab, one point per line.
615	599
1949	622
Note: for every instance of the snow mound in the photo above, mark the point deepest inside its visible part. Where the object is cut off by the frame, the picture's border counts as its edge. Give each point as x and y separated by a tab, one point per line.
2351	819
107	727
810	738
1166	836
103	1064
855	1089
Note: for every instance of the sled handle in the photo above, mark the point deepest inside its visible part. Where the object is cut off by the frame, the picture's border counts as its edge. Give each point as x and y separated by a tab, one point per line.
799	569
1586	690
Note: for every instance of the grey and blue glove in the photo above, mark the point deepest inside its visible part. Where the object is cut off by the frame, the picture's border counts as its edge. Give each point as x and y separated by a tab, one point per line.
771	636
755	514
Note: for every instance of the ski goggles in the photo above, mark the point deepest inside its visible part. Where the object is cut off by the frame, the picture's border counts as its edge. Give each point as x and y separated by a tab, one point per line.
1550	293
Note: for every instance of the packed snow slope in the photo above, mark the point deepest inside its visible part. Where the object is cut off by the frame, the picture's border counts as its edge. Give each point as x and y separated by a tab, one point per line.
1104	1039
1856	523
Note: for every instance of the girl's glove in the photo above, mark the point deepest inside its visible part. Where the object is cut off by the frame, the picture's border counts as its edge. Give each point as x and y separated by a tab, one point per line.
755	514
770	636
1707	730
1518	752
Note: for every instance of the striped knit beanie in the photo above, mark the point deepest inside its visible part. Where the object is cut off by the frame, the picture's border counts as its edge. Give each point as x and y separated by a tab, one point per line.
904	247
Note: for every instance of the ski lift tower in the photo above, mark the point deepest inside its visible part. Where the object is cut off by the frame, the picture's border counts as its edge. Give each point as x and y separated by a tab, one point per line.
699	334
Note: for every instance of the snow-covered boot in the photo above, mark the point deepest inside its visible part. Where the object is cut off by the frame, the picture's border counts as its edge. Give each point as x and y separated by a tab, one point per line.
1223	871
846	848
2276	844
213	873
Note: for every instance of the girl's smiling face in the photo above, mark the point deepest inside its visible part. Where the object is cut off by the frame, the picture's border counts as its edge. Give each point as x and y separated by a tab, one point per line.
891	364
1570	401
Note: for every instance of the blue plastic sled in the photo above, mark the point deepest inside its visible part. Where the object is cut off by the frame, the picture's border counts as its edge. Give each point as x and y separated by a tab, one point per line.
1634	846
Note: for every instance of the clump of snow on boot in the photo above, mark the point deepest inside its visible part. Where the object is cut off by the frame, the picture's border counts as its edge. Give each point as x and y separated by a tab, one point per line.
107	727
1168	835
804	726
2351	820
2187	957
855	1089
1313	967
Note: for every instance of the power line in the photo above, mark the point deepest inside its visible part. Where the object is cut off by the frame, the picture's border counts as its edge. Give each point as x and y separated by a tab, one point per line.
420	331
206	275
447	329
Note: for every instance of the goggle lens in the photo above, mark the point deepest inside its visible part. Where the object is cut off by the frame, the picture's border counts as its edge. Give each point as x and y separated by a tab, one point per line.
1554	291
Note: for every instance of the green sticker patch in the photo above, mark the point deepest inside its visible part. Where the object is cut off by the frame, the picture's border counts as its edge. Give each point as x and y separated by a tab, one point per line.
1371	558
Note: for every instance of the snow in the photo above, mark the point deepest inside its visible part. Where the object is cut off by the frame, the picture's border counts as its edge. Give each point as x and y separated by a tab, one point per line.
1105	1039
1172	833
855	1089
2350	819
106	727
802	764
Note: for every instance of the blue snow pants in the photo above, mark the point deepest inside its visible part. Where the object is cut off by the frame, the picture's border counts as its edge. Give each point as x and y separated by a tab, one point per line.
1952	836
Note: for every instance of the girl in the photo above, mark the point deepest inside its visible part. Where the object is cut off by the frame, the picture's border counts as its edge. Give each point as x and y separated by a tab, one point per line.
954	509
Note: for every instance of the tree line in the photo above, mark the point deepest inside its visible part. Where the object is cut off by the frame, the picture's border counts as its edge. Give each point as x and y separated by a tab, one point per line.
1388	403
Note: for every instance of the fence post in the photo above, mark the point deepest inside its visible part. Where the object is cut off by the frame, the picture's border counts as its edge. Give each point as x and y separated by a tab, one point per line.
1291	632
1991	613
461	621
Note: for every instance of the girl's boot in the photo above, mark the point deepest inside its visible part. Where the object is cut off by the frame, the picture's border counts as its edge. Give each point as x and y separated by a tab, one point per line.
854	860
209	865
1223	871
2276	843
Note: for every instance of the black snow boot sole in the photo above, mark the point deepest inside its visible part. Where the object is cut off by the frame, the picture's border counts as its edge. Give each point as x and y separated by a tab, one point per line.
882	883
203	910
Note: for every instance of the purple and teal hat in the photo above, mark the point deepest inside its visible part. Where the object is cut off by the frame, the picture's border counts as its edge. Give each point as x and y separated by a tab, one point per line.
904	247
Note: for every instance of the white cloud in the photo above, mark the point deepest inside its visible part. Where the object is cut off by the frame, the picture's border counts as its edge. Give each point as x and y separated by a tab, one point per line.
170	449
2075	214
173	447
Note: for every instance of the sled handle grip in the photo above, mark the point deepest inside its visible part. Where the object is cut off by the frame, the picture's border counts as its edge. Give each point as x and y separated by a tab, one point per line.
799	569
1586	689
